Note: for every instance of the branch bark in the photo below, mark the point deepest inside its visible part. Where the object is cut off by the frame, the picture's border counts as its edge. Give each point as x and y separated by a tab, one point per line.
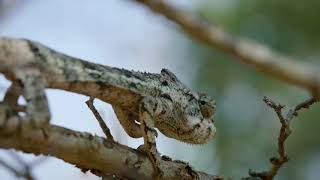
85	151
258	56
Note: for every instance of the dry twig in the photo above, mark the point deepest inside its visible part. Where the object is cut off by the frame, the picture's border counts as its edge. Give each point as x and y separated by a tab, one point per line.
285	131
16	172
25	171
102	124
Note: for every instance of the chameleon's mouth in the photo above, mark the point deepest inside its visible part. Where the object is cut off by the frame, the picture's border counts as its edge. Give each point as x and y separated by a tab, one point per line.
201	133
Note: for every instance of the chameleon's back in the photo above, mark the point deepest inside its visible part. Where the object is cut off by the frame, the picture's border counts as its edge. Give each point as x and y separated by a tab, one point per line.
14	53
120	86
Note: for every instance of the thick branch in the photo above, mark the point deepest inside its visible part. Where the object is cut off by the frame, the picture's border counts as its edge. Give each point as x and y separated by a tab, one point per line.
86	151
257	55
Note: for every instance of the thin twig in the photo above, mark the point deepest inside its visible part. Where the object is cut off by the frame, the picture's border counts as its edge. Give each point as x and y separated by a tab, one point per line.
24	173
257	55
102	124
10	168
26	166
16	157
285	131
306	104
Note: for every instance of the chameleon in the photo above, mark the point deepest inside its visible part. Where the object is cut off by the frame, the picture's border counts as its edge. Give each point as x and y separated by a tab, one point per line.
141	101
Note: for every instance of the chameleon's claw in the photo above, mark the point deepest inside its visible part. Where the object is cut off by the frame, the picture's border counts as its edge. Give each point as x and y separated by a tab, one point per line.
32	87
154	132
142	148
158	172
9	119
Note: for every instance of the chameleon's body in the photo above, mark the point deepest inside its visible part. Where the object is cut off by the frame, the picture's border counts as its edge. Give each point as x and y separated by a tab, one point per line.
152	100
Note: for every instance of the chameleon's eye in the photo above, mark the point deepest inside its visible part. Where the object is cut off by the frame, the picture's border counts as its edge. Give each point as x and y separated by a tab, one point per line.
202	103
206	110
207	105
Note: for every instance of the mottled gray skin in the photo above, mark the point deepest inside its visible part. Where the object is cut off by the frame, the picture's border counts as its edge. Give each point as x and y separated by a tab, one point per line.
176	111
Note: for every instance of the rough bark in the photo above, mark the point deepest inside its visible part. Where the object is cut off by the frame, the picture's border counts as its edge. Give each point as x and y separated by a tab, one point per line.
86	151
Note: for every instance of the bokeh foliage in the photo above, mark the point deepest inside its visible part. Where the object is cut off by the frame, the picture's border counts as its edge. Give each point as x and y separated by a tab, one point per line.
247	129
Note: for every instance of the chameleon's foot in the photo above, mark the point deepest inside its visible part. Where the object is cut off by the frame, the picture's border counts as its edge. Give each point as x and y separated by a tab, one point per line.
155	159
29	83
158	173
149	135
37	122
9	119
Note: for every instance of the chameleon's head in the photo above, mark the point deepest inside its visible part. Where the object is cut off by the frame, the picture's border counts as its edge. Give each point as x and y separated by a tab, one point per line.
201	119
196	116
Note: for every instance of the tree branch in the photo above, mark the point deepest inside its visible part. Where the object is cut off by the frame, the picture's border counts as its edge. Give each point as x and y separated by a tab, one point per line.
252	53
87	152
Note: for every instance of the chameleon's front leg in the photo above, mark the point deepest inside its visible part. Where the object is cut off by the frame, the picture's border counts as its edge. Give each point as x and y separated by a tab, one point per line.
147	125
37	109
128	123
10	103
12	95
29	83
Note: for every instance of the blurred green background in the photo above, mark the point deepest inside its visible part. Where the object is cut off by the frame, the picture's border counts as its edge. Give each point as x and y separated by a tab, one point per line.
247	129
